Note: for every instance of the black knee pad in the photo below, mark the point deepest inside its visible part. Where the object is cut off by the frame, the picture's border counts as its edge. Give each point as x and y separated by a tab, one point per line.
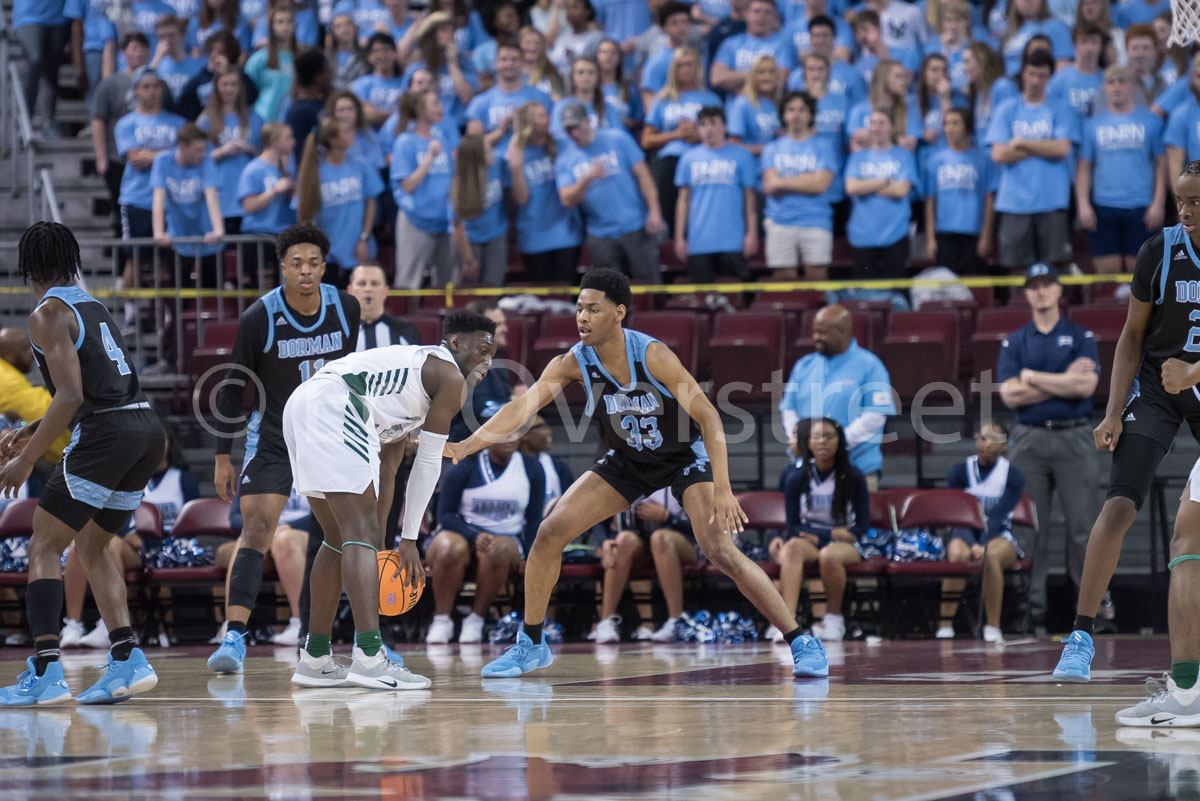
1134	464
245	578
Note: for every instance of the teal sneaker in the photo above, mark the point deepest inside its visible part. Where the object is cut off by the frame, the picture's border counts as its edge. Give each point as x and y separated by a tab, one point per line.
808	656
32	689
230	656
122	680
1075	664
519	659
394	656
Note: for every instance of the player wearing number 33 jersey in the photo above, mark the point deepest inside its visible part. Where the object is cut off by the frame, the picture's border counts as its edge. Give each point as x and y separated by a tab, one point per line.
651	414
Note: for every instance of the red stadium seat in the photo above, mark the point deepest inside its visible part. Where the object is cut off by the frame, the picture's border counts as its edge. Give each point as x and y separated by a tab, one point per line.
17	518
203	517
678	330
746	347
1025	514
883	513
766	509
430	329
147	521
558	334
992	326
878	314
1106	323
940	508
791	301
520	335
922	348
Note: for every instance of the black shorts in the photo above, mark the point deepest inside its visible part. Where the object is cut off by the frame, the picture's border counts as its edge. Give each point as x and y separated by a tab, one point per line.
105	469
635	479
266	469
1150	422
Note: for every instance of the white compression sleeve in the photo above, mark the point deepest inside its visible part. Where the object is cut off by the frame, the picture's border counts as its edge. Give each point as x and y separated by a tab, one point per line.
422	479
864	427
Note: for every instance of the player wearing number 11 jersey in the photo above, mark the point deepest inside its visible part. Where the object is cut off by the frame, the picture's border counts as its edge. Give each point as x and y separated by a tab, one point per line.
283	339
655	422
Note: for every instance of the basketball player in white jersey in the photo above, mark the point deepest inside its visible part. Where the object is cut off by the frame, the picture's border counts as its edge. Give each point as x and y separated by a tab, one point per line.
354	414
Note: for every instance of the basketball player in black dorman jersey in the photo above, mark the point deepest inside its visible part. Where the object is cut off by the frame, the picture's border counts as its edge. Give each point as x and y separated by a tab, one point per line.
651	414
116	444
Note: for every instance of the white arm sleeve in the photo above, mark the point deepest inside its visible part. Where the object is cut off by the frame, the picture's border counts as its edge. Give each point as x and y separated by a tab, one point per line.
790	419
864	427
426	470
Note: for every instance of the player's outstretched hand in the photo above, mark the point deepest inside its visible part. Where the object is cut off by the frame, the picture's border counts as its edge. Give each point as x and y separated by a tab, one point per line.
727	513
1177	376
454	452
1108	432
14	440
13	475
410	562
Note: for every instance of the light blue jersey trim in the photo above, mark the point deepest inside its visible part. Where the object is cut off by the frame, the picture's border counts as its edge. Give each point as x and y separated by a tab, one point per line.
577	352
635	353
1173	236
251	438
275	304
99	496
70	295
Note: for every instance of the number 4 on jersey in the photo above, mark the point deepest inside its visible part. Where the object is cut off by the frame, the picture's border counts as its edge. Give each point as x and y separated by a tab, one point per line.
113	349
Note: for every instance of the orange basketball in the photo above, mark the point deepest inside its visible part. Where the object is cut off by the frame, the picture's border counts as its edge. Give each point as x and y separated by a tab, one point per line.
396	596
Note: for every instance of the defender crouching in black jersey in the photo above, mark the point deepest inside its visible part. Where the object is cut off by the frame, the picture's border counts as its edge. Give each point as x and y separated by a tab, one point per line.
116	445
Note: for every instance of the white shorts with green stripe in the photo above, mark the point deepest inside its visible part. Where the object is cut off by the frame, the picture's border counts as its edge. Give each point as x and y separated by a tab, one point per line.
331	439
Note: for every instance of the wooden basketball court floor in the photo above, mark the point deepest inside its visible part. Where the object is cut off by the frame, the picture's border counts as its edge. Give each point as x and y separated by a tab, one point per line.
896	720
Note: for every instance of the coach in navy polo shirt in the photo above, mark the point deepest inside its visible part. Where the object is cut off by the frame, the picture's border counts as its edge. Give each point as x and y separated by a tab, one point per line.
1047	372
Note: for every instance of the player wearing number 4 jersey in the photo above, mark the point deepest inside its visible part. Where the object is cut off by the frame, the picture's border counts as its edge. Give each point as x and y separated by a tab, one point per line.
651	416
283	339
116	444
1154	376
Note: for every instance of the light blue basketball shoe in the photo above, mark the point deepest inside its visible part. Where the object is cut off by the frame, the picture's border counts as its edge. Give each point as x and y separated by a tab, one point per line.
808	657
34	690
519	659
228	658
1075	664
122	680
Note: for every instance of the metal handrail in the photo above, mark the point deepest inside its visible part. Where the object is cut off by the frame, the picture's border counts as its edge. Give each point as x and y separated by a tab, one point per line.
50	208
24	132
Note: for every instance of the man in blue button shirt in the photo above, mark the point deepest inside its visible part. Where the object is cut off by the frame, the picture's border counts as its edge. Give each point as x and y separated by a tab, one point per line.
1047	373
845	383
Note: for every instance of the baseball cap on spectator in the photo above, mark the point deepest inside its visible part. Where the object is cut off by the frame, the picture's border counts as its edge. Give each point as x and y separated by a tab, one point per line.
143	73
573	115
1040	271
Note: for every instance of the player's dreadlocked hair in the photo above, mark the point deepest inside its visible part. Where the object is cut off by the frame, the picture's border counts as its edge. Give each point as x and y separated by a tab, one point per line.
48	254
468	322
612	283
299	235
1191	168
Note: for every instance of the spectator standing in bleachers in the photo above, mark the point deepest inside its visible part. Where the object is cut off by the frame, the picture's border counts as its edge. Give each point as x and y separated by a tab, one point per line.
737	54
797	170
489	511
987	87
345	57
841	77
1031	138
732	25
655	529
111	102
502	21
1121	176
214	16
1048	371
934	98
140	136
186	183
872	49
671	123
622	92
549	235
538	442
380	90
577	37
753	117
828	511
605	173
438	52
490	113
902	24
798	29
1141	49
171	59
960	195
272	68
950	37
224	54
536	68
42	33
623	20
846	383
313	84
879	181
421	174
265	187
235	135
889	93
480	224
991	478
346	107
337	192
1080	84
585	90
675	19
716	214
1027	18
1182	136
93	45
377	328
